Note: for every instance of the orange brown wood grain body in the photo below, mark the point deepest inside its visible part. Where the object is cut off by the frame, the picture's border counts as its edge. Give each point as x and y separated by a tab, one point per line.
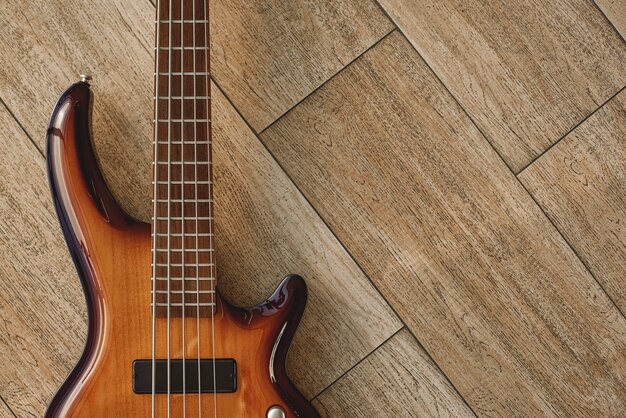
113	253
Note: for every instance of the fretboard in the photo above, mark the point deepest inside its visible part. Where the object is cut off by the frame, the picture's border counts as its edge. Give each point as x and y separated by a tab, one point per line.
182	226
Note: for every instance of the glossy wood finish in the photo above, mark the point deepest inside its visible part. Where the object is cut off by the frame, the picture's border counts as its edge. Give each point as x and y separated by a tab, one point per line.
112	254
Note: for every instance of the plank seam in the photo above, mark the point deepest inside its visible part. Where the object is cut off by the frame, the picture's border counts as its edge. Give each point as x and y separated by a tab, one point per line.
569	132
573	250
8	407
504	161
315	89
359	362
595	3
30	138
354	260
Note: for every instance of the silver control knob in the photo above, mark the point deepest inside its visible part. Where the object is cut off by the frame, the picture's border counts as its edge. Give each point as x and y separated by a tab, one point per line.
276	412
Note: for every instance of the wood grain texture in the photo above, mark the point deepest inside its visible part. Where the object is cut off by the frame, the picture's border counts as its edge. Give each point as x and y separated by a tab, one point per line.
518	68
41	303
397	380
266	230
269	55
45	45
580	184
5	412
615	11
453	241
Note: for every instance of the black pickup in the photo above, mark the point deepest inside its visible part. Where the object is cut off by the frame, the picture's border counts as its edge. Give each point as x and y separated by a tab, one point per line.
225	376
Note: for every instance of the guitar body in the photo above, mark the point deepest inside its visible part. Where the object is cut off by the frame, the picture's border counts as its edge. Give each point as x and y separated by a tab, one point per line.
112	253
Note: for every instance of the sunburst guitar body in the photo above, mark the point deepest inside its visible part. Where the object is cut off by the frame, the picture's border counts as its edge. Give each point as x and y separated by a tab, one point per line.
161	341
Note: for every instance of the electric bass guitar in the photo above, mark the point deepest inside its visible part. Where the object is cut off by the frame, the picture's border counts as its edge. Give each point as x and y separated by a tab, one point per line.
162	342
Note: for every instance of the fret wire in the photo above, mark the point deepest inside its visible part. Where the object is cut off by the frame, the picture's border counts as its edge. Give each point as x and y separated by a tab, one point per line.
181	120
179	21
174	196
183	163
190	142
186	182
183	98
182	48
188	265
180	292
179	218
204	250
184	73
184	201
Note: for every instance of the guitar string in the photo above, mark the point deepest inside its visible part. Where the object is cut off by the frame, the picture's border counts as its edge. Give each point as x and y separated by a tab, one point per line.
213	268
195	153
169	214
182	192
155	197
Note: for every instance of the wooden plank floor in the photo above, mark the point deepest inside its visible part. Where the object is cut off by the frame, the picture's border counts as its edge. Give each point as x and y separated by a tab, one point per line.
469	261
373	148
515	66
614	10
581	184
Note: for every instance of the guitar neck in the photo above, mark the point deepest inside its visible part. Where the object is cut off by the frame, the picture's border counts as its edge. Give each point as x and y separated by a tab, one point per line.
182	228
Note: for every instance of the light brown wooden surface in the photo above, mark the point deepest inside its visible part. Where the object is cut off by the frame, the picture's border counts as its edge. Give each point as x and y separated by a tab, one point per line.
581	184
615	11
267	56
397	380
45	45
453	241
266	230
403	178
5	412
518	68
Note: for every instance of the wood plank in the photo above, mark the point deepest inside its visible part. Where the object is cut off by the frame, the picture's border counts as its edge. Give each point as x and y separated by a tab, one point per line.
615	11
397	380
453	241
267	56
43	47
5	412
580	184
41	304
266	230
518	68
